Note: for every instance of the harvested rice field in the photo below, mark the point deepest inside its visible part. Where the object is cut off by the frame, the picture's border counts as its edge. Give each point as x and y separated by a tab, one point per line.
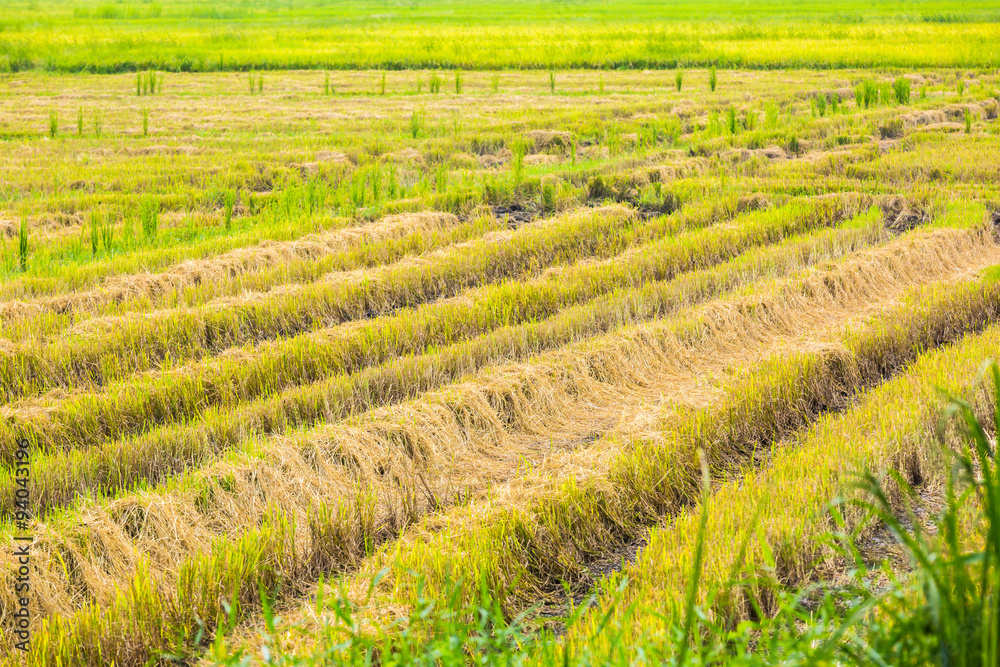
606	355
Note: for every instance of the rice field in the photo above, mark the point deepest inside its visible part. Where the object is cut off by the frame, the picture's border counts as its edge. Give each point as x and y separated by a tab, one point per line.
301	346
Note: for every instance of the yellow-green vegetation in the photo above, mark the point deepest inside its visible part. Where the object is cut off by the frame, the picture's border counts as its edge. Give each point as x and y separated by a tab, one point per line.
186	36
324	353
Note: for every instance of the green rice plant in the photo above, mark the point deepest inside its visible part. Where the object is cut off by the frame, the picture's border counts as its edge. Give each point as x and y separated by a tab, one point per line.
79	121
53	123
376	174
128	239
771	115
441	178
49	325
901	88
960	86
250	81
435	84
712	79
287	205
96	223
97	124
155	81
655	200
145	122
793	145
164	256
648	135
458	82
518	150
672	130
260	82
22	244
416	122
107	231
923	91
359	189
679	79
714	126
495	82
327	90
161	246
314	197
149	215
613	140
598	189
967	115
229	205
547	197
138	84
731	125
871	93
834	102
886	93
821	104
552	81
866	94
951	607
392	185
382	85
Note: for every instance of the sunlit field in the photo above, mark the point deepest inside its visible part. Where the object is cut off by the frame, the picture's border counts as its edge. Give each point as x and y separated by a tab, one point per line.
433	333
192	35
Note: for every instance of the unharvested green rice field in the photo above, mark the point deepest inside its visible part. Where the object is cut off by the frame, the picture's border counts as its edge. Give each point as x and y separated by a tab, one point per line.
582	333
